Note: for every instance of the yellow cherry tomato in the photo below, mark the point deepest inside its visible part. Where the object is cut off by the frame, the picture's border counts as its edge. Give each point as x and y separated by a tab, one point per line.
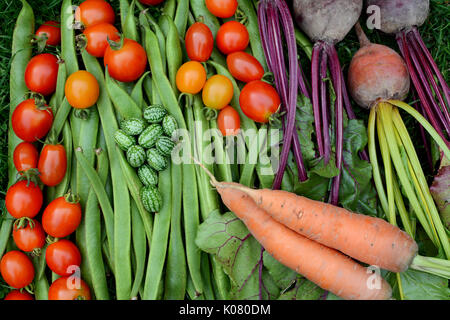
191	77
217	92
81	90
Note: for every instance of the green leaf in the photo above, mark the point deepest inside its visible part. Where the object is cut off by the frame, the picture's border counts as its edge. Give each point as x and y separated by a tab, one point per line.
240	255
304	119
282	275
418	285
356	192
303	290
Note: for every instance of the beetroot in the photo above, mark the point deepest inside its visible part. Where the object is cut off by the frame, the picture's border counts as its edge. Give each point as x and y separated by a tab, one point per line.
377	72
402	18
329	20
399	15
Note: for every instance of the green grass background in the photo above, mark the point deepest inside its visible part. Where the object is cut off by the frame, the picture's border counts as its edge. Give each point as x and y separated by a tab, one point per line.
435	32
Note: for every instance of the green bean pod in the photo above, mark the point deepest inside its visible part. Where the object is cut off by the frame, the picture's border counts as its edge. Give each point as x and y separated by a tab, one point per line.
160	237
222	159
138	93
139	239
121	100
21	54
124	7
122	214
129	29
208	291
191	212
62	188
169	8
174	52
147	21
175	280
181	17
93	233
68	48
41	287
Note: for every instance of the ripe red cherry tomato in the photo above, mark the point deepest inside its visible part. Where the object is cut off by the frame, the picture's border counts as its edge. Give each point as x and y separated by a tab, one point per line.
17	269
97	38
259	100
41	74
52	164
29	238
69	288
63	257
199	42
90	13
127	63
222	8
244	66
61	217
25	156
151	2
22	200
52	31
30	122
231	37
17	295
228	121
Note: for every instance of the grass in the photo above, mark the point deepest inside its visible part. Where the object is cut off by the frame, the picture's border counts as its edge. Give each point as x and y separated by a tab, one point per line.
435	33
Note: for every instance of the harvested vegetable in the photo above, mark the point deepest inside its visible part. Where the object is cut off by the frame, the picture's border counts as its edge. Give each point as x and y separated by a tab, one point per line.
402	19
377	76
299	253
327	24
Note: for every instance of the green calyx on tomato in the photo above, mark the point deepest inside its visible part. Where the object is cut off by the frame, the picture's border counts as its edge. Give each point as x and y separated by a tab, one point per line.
71	197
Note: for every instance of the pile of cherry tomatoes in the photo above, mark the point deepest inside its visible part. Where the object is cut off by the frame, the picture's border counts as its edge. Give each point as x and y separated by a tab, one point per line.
258	100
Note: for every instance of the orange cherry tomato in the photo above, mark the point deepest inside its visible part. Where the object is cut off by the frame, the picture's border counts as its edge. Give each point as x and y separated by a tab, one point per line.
17	269
30	237
91	12
259	100
52	31
191	77
128	63
244	67
199	42
222	8
97	38
228	121
81	89
232	36
217	92
18	295
52	164
25	156
69	288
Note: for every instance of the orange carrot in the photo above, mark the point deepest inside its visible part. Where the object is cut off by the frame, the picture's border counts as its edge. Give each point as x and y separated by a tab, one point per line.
368	239
326	267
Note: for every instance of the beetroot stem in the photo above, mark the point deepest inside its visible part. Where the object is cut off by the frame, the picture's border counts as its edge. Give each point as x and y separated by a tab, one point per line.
337	84
401	39
416	58
433	64
442	112
324	106
315	93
